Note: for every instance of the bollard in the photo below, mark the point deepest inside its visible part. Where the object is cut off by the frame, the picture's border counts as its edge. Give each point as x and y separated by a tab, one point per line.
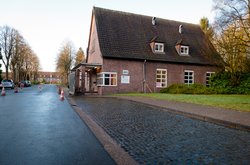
62	95
16	90
40	88
3	93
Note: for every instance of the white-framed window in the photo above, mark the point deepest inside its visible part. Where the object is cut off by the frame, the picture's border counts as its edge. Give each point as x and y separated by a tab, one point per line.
159	47
184	50
188	77
208	76
107	79
161	78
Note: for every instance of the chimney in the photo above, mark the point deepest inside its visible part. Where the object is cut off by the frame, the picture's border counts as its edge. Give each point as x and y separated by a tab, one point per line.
154	21
180	29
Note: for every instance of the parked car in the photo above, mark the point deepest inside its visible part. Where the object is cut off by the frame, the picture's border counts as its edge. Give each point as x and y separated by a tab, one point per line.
8	84
25	83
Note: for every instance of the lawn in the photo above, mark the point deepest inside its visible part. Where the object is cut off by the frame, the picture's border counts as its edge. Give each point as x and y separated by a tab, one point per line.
234	102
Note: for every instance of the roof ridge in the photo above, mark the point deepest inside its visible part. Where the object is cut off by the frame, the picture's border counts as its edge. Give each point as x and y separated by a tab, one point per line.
148	16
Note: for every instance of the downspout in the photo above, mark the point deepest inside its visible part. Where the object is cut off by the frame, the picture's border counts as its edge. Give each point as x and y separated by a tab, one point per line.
144	76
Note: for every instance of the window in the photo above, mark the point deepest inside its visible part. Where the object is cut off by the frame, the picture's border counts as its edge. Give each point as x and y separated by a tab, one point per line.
208	76
159	47
107	79
184	50
188	77
161	78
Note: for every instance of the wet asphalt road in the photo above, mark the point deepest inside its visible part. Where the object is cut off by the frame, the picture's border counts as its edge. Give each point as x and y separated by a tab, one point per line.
37	128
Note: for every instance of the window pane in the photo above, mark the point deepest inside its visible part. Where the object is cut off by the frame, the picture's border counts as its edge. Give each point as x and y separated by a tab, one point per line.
161	78
159	47
106	81
113	75
113	81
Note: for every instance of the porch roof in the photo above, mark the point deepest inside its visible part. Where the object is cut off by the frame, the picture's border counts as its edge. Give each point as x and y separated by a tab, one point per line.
86	65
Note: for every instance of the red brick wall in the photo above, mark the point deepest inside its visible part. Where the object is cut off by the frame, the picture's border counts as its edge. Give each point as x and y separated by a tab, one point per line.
175	74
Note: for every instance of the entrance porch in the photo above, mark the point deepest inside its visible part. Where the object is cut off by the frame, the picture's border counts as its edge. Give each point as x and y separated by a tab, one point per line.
83	78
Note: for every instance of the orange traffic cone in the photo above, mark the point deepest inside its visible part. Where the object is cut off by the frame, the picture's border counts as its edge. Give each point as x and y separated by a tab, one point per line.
3	93
21	86
16	90
62	95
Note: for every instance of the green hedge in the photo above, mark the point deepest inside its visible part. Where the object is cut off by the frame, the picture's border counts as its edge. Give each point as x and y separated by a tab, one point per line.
188	89
221	83
225	83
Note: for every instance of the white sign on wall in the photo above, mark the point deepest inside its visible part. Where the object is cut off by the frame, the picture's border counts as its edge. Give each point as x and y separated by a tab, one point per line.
125	79
125	71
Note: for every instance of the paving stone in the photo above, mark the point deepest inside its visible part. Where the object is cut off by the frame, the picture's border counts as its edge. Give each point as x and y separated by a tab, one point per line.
153	136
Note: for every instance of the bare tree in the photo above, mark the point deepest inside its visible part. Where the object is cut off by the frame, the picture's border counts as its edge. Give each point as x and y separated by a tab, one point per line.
234	13
0	64
64	60
24	62
18	55
232	35
18	51
7	40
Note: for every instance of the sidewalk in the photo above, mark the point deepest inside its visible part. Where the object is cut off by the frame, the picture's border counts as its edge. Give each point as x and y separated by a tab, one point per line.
229	118
151	134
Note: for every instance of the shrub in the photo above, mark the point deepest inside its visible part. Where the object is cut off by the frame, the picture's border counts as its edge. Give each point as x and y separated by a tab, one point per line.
187	89
222	83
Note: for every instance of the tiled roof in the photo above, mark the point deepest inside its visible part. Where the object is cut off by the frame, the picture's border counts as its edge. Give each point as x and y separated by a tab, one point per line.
127	35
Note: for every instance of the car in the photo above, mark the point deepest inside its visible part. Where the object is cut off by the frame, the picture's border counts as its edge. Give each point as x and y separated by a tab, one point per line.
8	84
25	83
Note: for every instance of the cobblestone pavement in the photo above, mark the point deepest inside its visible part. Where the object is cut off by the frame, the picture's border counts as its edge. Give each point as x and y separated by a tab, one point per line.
153	136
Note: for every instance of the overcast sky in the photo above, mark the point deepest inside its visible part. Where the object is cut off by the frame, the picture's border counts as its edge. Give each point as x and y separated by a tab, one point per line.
45	24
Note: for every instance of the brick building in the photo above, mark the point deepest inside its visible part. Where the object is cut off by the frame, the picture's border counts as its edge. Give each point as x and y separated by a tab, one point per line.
49	77
136	53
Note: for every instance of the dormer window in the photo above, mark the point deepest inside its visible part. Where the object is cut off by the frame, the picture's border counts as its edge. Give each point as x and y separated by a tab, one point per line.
184	50
159	47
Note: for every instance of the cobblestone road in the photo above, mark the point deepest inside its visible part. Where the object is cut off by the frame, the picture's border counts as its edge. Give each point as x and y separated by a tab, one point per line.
153	136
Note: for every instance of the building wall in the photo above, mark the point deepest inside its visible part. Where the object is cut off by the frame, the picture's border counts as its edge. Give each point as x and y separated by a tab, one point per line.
135	69
175	75
94	52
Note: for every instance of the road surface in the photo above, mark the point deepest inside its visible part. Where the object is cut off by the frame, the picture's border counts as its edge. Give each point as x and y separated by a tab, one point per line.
37	128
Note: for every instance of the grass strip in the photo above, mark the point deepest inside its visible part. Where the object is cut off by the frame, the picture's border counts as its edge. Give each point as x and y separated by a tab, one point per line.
233	102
